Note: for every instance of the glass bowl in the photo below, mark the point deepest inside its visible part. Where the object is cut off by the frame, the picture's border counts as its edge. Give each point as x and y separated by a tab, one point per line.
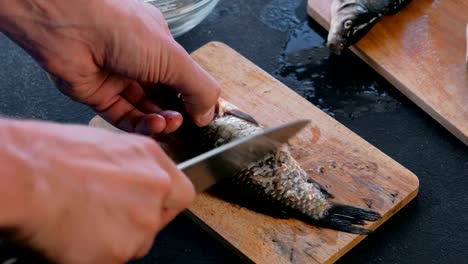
183	15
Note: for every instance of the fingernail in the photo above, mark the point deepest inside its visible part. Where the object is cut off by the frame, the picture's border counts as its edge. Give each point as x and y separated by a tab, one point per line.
205	119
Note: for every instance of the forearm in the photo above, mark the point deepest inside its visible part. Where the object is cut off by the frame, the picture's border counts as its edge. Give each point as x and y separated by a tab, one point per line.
17	184
9	10
17	17
21	15
46	28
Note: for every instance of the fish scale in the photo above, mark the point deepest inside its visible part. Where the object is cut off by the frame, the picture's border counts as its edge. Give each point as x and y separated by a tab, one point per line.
278	181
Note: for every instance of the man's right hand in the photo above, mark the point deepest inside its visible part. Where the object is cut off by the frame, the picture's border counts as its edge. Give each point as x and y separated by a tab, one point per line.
79	194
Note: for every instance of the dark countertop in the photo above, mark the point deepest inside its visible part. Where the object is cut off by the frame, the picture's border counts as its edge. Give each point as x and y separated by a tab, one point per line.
432	228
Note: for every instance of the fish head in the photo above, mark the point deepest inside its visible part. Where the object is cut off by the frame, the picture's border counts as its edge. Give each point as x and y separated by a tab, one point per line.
350	20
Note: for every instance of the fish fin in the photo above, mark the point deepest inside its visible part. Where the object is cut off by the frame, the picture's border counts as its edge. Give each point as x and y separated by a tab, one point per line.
322	189
226	108
344	217
325	191
242	115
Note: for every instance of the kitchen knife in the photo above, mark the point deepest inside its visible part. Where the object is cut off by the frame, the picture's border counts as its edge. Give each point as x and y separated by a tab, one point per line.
204	170
210	167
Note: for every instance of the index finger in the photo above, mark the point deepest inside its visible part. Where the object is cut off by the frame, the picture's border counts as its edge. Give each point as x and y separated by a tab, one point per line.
200	91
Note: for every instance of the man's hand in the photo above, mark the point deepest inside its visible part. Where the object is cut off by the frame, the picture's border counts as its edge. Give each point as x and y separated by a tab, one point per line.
106	54
79	194
84	195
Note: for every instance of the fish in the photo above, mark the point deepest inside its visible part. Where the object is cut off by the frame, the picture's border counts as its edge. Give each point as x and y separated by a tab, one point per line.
277	181
351	20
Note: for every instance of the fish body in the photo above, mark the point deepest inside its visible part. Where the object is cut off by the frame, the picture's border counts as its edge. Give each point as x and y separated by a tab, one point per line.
352	19
277	180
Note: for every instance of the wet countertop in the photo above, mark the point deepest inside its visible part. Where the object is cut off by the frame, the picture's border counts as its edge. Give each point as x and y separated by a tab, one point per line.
278	36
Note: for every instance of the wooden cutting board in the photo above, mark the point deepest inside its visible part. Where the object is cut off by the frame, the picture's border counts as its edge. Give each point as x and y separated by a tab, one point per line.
353	170
421	51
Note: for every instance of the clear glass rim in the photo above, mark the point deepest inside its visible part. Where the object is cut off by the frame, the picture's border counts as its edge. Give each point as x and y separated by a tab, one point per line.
182	11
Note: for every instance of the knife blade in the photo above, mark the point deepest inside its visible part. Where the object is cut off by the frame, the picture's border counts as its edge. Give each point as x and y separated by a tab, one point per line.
210	167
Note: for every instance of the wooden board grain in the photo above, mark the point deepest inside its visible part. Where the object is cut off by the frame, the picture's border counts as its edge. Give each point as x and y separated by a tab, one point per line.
420	50
352	169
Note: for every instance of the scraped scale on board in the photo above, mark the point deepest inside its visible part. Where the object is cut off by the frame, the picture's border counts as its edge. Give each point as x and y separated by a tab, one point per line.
421	51
353	170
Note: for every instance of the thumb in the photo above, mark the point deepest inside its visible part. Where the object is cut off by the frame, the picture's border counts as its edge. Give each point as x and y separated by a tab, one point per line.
199	90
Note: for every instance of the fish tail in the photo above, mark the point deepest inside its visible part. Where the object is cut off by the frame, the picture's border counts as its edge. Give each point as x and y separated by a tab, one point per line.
344	217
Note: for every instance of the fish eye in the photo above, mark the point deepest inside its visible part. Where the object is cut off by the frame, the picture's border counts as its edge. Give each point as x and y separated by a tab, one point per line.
347	24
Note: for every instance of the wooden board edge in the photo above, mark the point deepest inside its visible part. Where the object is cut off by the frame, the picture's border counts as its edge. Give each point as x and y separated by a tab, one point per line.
316	16
99	122
343	251
96	120
216	236
452	128
359	238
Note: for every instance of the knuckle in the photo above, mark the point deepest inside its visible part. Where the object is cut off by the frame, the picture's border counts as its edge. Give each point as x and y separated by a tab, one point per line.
162	181
165	26
157	12
158	16
141	145
162	178
149	145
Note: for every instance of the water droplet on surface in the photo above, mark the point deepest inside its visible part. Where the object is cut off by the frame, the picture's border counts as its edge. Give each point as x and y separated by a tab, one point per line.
338	85
280	14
